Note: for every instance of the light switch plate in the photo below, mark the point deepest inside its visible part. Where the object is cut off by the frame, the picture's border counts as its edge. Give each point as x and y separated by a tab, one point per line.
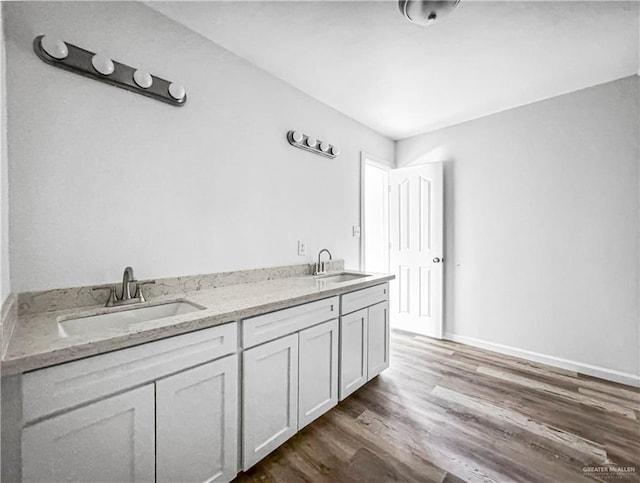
356	232
302	248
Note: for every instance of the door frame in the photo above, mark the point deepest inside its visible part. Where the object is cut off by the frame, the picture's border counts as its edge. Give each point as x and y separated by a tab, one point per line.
371	160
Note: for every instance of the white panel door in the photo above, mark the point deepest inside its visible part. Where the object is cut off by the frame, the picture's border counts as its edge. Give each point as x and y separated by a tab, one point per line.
353	352
270	397
378	339
197	424
109	440
416	209
318	371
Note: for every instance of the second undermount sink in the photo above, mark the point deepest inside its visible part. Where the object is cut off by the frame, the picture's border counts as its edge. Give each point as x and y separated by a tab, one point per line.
124	317
341	277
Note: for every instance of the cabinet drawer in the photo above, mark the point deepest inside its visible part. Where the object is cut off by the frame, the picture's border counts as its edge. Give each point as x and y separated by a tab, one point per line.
67	385
263	328
364	298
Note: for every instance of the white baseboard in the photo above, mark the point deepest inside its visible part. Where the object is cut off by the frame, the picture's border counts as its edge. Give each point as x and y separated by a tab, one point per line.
596	371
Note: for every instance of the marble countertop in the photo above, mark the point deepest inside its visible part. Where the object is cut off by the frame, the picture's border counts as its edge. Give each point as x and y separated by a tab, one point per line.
36	342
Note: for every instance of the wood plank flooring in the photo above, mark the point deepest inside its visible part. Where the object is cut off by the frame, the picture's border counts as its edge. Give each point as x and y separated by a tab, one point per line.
446	412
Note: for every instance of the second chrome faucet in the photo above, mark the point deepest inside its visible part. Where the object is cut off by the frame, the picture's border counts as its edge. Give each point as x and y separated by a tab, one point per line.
320	267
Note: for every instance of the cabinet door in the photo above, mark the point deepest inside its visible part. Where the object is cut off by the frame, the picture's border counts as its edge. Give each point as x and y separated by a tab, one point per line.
353	352
318	378
109	440
197	423
270	397
378	339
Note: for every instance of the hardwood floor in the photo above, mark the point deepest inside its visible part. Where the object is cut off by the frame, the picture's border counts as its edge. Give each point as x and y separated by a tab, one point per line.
446	412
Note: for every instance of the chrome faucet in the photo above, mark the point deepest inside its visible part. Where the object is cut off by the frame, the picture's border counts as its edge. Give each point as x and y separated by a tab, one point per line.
125	295
320	267
127	278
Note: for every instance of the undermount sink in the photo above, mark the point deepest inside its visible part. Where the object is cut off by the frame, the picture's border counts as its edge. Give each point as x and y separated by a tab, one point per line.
341	277
124	317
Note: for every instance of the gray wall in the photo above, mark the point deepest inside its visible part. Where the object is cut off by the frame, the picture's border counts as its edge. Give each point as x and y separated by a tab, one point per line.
542	214
5	286
102	178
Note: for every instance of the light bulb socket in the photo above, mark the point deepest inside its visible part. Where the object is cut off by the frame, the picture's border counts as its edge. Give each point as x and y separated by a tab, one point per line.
54	47
177	91
142	79
103	64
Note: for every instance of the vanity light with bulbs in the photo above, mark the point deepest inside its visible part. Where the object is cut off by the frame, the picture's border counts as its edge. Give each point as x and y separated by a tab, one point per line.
102	68
311	144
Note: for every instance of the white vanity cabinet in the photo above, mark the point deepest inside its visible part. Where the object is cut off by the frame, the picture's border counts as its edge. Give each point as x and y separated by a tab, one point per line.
270	393
364	337
199	406
196	423
112	439
163	411
289	381
353	352
378	332
318	371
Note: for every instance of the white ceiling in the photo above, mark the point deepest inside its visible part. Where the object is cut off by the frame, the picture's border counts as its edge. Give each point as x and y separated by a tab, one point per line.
363	59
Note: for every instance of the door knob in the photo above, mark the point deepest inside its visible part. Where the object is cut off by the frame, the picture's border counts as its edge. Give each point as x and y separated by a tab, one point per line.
436	260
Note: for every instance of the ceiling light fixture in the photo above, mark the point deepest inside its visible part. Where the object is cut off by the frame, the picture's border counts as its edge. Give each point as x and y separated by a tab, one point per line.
426	12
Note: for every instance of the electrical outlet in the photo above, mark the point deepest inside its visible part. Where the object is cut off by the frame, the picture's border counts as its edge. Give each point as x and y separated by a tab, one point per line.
302	248
356	232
